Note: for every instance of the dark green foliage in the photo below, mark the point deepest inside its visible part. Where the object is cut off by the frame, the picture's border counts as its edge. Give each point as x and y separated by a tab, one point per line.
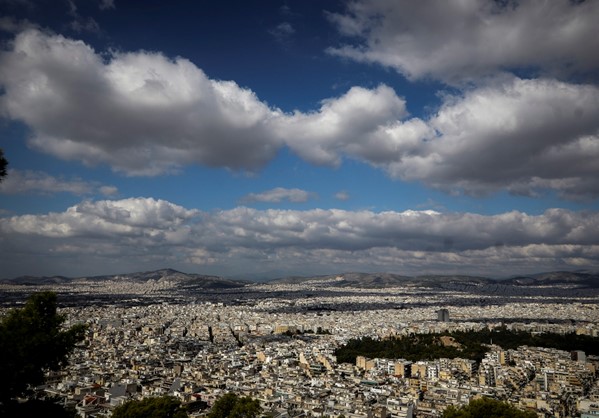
429	347
232	406
321	331
420	347
223	406
32	341
487	408
160	407
507	339
36	408
246	407
3	165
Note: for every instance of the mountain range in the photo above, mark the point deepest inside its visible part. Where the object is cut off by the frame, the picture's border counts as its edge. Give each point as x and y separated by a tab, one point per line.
182	279
567	279
561	278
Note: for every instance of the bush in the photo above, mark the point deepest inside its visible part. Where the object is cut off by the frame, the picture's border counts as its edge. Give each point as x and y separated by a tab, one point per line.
487	408
232	406
32	341
159	407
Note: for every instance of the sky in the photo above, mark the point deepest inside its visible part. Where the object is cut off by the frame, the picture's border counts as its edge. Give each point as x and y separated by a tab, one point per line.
261	139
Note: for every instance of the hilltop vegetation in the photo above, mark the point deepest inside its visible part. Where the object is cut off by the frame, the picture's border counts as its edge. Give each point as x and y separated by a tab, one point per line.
33	341
159	407
468	344
487	408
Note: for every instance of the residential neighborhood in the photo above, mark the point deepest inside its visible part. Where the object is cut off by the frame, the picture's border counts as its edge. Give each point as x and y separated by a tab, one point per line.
280	350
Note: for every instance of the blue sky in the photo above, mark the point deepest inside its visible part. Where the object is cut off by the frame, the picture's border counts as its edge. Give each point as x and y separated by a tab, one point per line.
263	139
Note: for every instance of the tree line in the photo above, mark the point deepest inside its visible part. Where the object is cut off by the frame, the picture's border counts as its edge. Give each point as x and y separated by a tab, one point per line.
33	340
472	345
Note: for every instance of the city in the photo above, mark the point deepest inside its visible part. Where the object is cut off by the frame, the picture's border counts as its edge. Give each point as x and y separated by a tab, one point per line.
276	342
297	209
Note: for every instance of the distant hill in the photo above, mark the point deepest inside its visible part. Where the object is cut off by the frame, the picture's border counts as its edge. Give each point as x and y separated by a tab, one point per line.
163	275
559	281
35	280
382	280
563	278
575	282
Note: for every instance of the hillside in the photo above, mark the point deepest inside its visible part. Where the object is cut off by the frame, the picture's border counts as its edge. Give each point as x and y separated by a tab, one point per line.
549	284
171	276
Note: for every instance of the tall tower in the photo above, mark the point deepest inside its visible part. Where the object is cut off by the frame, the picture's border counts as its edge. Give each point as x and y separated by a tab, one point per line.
443	315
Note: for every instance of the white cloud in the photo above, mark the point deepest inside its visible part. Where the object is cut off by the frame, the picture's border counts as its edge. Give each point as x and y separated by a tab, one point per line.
109	190
27	181
138	212
409	230
146	231
144	114
282	32
520	135
279	194
11	25
200	257
80	23
106	4
524	136
141	113
342	195
458	41
353	123
135	218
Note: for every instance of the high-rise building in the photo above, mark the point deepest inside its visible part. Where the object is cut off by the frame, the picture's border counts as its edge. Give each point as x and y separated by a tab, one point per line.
443	315
578	355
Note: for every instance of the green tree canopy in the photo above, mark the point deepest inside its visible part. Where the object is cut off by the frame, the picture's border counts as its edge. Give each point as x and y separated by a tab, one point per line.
32	340
159	407
3	165
232	406
487	408
37	408
246	408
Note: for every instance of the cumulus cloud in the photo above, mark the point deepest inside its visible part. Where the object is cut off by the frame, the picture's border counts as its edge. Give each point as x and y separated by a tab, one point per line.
200	257
38	182
457	41
342	195
409	230
520	135
109	190
524	136
148	230
80	23
279	194
157	220
142	113
11	25
352	124
145	114
106	4
282	32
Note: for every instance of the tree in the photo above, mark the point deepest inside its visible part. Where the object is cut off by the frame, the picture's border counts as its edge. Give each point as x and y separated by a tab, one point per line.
37	408
3	165
32	341
159	407
487	408
246	407
232	406
223	406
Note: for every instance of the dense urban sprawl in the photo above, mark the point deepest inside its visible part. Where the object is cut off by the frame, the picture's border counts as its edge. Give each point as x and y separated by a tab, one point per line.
276	344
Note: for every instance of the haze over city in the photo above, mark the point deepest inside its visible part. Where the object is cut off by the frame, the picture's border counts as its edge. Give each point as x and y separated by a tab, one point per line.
274	138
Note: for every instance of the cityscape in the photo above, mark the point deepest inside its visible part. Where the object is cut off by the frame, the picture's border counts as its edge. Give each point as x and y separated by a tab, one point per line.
299	209
276	342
